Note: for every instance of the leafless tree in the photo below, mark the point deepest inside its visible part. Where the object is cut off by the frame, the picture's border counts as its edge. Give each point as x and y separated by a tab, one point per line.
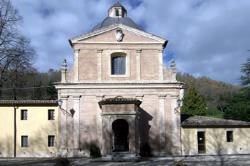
16	54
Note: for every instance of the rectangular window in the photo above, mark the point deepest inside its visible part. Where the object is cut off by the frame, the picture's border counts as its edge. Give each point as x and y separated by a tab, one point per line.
24	141
201	142
51	114
24	114
51	141
118	65
116	12
229	136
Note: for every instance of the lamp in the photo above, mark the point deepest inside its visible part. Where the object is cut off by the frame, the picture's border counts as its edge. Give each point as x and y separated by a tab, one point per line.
179	103
60	103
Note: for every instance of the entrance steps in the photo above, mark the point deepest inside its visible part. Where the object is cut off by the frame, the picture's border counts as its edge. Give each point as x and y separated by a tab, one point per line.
121	156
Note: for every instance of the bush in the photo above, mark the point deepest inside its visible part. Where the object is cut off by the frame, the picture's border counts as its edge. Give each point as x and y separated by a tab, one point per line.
94	151
62	162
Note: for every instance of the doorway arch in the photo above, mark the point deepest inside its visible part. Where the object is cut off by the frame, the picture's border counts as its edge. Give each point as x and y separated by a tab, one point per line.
120	129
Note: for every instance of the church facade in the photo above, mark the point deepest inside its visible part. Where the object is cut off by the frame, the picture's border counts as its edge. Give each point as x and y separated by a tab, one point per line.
118	100
122	97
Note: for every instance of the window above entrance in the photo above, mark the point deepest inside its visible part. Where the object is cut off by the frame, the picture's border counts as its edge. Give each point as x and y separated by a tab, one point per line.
118	64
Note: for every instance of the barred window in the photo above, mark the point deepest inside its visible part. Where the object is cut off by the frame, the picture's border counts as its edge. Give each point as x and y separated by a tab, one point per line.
24	114
24	141
118	64
51	114
51	141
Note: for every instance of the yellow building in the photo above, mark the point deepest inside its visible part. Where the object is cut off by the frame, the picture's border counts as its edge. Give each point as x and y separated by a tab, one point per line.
28	128
214	136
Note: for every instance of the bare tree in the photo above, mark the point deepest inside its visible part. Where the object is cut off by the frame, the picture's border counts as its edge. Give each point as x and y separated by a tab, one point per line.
16	54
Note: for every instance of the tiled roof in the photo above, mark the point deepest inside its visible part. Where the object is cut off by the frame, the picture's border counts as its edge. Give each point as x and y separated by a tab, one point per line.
28	102
108	21
119	100
202	121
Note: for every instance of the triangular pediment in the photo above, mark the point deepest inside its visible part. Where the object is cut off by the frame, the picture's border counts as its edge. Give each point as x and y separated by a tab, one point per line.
108	35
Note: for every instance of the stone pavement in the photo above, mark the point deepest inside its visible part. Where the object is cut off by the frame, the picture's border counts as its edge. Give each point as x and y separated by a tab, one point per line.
232	160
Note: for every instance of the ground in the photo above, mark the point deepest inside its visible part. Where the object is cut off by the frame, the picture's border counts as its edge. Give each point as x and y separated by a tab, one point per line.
235	160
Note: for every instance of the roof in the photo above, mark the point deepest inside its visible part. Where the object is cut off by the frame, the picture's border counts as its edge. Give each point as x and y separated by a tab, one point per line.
202	121
119	100
28	102
108	21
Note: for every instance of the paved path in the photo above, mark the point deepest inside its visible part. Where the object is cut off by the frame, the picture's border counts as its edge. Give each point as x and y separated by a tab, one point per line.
243	160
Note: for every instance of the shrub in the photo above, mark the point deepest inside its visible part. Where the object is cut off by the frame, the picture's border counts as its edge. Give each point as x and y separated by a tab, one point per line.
62	162
94	151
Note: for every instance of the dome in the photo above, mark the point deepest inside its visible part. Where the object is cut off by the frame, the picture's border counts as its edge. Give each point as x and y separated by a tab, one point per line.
117	14
108	21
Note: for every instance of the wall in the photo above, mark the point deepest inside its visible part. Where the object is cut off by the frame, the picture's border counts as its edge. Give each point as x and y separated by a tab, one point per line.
92	57
216	143
37	128
6	131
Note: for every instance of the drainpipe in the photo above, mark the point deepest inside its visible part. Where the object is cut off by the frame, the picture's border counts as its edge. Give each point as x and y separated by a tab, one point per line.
15	126
15	130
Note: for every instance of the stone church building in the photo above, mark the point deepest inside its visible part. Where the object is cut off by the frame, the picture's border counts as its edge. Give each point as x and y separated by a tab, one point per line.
121	95
117	99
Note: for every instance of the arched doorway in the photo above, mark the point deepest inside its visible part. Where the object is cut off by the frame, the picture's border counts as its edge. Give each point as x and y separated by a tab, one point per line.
120	129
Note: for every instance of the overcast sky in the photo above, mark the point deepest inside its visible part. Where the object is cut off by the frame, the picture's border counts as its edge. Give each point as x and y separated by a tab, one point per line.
206	37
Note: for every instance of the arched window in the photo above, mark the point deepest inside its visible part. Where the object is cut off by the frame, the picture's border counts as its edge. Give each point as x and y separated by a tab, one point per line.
118	64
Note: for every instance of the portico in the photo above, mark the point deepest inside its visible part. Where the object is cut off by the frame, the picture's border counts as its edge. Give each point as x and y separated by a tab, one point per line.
120	125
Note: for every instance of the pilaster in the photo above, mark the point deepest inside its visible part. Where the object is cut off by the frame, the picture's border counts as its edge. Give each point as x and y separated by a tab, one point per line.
162	120
76	123
138	64
160	56
99	64
176	135
63	123
76	65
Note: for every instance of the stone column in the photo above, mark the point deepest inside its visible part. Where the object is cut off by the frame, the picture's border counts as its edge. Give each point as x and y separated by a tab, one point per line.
76	65
63	125
99	65
162	125
161	64
76	124
138	64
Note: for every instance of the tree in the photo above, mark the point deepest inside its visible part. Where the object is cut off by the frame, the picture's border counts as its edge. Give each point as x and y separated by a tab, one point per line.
16	54
245	78
193	103
51	91
238	105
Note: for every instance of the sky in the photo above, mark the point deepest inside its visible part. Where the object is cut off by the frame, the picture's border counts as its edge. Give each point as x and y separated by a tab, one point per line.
206	37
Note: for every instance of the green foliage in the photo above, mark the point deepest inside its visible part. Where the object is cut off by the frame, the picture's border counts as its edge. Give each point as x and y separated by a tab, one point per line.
51	91
245	78
193	103
237	107
33	85
214	112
